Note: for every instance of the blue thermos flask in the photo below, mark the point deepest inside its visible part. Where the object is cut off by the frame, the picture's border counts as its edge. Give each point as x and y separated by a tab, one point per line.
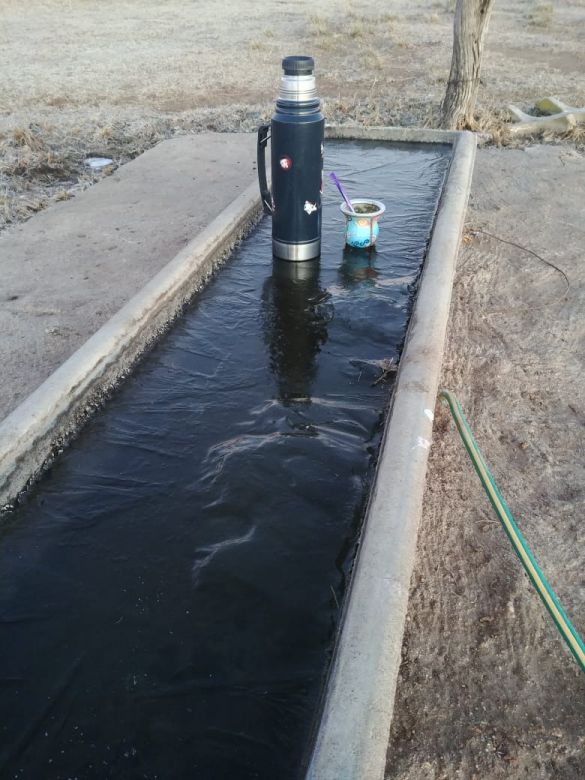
296	134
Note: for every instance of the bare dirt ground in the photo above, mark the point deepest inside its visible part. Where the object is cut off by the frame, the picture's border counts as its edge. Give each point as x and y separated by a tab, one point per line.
114	77
486	689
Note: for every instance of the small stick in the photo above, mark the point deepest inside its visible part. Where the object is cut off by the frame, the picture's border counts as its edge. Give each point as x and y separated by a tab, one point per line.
334	596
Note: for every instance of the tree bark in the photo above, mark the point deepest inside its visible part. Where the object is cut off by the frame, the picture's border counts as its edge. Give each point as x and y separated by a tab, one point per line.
470	26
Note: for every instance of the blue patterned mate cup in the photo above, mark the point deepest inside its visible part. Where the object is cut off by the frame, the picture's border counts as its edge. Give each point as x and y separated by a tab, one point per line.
361	230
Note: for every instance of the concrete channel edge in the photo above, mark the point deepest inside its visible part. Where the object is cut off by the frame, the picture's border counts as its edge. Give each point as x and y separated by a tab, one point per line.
352	737
36	431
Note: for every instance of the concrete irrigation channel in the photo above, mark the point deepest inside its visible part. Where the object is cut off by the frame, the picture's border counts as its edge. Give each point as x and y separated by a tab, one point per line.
220	555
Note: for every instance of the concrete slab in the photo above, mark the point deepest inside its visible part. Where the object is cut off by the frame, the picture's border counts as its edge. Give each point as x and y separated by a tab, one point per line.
69	269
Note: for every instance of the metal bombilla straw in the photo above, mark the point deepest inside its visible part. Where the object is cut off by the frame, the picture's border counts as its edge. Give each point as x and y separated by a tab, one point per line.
342	191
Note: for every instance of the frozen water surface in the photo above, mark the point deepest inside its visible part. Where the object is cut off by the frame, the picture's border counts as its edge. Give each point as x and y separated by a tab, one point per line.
170	591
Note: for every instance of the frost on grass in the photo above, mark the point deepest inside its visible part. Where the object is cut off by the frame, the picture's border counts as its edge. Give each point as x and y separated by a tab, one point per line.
126	76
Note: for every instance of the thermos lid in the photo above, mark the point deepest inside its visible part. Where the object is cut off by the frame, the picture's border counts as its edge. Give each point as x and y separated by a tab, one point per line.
298	65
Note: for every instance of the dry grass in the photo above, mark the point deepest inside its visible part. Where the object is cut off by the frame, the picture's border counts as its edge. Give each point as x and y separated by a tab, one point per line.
541	15
574	136
114	77
45	162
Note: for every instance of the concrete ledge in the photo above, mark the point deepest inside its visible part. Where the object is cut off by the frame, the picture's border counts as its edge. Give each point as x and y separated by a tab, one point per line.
395	134
352	738
68	270
39	427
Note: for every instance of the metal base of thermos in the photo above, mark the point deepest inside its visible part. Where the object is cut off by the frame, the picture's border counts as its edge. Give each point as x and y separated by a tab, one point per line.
296	252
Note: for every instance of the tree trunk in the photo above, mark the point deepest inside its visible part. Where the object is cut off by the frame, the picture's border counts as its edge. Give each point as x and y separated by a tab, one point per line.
471	22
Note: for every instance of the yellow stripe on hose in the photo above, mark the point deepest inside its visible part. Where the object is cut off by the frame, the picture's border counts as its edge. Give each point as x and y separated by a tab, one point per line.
574	642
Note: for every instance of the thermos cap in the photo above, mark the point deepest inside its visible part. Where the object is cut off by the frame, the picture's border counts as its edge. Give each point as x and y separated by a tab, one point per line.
298	65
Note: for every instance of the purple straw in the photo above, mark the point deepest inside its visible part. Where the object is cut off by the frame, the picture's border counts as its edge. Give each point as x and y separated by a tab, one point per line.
341	189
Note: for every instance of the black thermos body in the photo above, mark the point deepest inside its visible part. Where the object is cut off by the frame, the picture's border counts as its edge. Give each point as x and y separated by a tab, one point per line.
296	134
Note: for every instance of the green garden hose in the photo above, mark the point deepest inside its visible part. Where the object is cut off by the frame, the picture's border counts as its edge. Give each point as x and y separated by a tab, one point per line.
546	593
